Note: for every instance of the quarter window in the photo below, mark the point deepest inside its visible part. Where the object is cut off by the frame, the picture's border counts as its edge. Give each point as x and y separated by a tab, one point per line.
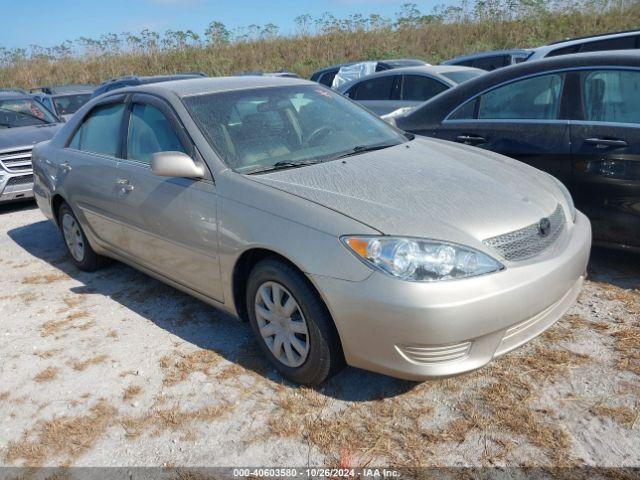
150	132
100	131
492	63
611	96
419	89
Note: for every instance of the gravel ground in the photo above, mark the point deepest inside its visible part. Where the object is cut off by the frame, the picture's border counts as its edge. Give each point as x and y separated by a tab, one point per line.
116	369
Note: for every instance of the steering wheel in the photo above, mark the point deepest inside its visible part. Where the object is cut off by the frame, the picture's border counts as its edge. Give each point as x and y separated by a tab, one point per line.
318	134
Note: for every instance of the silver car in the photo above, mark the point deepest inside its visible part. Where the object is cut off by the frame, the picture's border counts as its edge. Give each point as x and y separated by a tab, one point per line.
338	237
405	88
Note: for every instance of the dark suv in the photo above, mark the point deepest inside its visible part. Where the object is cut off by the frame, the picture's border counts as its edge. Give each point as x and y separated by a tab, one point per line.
131	80
63	100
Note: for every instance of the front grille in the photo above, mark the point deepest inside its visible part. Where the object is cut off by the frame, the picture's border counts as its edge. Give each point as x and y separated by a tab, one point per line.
16	160
528	242
22	180
434	355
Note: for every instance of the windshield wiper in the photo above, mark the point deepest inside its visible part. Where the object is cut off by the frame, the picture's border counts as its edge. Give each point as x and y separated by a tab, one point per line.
282	165
364	148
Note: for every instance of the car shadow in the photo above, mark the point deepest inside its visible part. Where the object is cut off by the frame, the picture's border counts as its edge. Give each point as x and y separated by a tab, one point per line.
17	206
617	267
188	318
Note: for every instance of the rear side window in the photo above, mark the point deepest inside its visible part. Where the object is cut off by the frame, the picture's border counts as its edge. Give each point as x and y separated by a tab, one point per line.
611	96
536	98
374	89
416	88
327	78
100	131
563	51
150	132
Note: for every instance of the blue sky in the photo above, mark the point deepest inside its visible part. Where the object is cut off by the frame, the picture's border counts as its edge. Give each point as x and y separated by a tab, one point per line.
27	22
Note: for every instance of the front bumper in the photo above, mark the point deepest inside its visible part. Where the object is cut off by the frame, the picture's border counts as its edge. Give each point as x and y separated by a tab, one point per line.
422	330
15	186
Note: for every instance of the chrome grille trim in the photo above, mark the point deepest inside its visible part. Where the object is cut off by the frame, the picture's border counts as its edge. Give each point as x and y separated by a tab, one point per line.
527	242
432	355
16	160
21	180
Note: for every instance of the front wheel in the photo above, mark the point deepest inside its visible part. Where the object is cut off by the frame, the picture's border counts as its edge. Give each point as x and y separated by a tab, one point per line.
82	255
292	324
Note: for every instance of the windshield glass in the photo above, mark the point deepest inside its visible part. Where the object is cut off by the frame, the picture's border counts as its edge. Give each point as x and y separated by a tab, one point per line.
68	104
265	128
23	113
463	75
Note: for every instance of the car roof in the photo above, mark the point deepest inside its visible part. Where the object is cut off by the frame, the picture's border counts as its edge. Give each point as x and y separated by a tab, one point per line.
447	100
394	63
488	53
206	85
14	95
599	36
64	89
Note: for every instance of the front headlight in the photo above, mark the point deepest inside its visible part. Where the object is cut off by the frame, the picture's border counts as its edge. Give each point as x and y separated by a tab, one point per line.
567	197
421	260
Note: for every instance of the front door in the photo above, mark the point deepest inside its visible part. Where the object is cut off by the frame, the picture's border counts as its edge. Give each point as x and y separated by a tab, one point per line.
521	120
605	141
171	223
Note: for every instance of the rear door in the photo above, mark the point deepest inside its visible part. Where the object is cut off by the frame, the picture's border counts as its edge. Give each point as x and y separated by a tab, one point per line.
605	139
417	89
522	119
89	167
381	95
170	224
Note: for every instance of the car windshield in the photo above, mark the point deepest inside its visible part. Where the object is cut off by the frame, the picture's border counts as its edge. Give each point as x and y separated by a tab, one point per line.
23	113
462	75
263	129
68	104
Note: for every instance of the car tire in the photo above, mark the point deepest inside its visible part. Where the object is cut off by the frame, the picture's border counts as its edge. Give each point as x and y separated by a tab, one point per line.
76	243
324	355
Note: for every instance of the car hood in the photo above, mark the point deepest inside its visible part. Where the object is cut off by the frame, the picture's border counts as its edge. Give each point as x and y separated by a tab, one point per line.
26	136
427	188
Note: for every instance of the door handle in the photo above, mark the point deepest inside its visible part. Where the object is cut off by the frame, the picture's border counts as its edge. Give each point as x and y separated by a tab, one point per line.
124	185
471	139
606	142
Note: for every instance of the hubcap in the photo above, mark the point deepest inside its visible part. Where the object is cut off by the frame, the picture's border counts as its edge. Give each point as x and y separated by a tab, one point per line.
282	324
73	237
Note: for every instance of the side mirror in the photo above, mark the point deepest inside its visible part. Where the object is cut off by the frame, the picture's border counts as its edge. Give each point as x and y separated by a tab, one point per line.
175	164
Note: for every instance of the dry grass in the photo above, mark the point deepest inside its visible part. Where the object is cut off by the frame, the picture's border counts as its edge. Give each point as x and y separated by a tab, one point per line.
52	327
173	418
64	438
47	375
82	365
4	396
131	392
628	347
112	334
44	279
623	415
305	53
179	366
499	401
45	354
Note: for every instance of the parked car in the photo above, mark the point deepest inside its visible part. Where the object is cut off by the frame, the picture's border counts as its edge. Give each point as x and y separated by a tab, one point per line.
575	116
269	74
326	75
405	88
491	60
132	80
628	40
63	100
23	122
335	235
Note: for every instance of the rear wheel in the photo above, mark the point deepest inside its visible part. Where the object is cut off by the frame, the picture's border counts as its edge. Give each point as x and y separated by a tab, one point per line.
82	255
292	324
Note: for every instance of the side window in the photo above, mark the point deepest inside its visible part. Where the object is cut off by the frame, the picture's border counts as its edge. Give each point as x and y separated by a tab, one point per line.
420	89
536	98
563	51
466	111
374	89
150	132
611	96
100	131
491	63
327	78
619	43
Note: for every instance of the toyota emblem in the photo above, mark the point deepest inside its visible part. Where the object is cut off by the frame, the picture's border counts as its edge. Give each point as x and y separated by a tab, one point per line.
544	227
